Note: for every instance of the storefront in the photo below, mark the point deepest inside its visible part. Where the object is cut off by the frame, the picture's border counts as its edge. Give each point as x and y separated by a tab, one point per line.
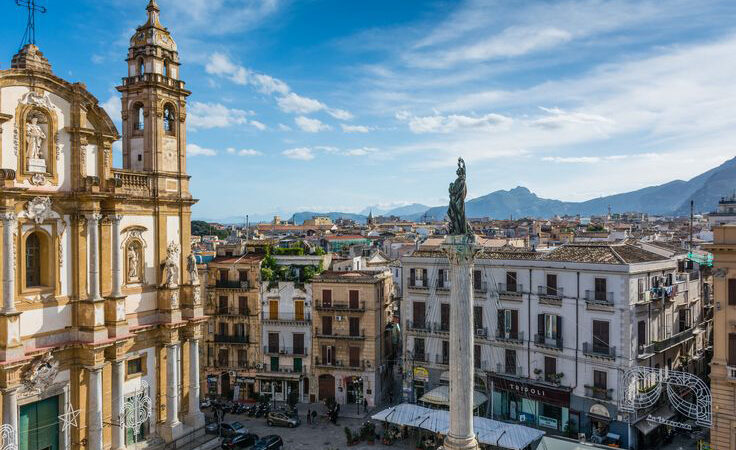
420	380
212	385
279	389
244	389
541	406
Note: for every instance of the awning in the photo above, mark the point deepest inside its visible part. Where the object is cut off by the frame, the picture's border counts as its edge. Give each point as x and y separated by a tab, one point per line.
646	426
550	443
441	396
487	431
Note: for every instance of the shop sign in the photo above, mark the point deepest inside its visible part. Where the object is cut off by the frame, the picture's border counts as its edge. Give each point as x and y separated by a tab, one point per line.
421	374
526	418
544	394
548	422
671	423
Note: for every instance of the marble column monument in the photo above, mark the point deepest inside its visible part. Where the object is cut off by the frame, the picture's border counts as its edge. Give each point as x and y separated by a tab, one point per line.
461	249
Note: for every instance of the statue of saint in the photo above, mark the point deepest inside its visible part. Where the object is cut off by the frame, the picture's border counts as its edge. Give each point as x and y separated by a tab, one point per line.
192	269
456	211
170	267
35	136
132	263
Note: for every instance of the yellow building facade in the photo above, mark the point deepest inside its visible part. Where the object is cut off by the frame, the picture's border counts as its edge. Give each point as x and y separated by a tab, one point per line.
723	365
100	313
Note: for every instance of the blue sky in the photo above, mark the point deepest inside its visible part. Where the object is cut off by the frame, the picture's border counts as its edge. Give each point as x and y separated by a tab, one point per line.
338	105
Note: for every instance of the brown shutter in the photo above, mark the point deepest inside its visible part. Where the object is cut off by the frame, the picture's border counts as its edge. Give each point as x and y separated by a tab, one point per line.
732	291
732	349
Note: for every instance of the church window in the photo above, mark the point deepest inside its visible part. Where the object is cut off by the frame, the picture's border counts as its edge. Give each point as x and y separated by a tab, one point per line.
33	260
141	67
139	117
169	124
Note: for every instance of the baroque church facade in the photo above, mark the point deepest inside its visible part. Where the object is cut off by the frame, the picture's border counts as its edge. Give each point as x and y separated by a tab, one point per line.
101	316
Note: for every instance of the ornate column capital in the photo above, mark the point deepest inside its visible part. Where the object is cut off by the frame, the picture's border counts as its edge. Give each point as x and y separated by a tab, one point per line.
94	217
8	216
115	218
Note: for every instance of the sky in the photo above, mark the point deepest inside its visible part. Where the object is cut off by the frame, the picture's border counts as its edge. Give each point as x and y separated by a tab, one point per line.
326	105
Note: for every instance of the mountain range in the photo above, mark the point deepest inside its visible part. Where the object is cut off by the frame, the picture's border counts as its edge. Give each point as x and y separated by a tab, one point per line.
672	198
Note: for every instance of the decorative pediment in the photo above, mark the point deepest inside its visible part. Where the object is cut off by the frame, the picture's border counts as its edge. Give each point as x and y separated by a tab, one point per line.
40	374
38	99
39	210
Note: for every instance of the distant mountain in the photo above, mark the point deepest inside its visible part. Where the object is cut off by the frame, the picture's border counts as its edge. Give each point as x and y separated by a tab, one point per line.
406	211
671	198
376	210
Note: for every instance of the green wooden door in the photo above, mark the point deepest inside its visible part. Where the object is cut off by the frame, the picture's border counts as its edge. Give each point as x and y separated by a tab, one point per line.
39	425
298	365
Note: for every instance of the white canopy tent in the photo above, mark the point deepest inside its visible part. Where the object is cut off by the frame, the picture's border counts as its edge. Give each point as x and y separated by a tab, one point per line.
490	432
441	396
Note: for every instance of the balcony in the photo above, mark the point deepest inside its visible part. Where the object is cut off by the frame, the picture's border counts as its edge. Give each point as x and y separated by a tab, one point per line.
480	287
284	317
231	339
226	311
420	326
284	351
599	301
512	338
420	357
332	335
600	351
443	285
662	345
442	359
282	370
513	371
731	372
352	365
548	342
549	296
133	183
510	292
599	393
418	285
321	305
227	284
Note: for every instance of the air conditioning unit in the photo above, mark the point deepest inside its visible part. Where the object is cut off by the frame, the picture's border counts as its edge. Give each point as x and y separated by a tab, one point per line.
480	332
232	373
338	318
259	366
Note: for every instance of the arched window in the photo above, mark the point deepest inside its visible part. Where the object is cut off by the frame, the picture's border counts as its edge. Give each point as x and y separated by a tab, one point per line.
141	67
33	260
139	117
169	124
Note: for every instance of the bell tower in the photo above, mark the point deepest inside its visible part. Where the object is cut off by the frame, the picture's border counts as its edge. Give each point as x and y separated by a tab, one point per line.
154	104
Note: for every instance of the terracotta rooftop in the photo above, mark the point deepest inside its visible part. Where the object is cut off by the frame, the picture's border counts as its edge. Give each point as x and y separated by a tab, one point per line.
244	259
355	276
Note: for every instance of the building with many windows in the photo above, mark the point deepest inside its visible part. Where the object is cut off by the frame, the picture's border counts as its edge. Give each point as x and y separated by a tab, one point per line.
554	331
350	312
100	305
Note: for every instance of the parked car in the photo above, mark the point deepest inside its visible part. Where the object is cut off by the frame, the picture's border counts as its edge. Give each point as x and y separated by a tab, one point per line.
281	419
211	428
228	429
240	441
270	442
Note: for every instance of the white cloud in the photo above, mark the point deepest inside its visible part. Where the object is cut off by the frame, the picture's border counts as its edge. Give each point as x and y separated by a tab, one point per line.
558	118
287	100
243	152
196	150
283	127
112	107
215	115
311	125
300	153
438	123
117	146
217	17
598	159
260	125
294	103
355	128
363	151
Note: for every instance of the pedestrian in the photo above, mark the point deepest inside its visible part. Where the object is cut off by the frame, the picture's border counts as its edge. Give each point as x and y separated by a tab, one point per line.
314	416
309	416
365	405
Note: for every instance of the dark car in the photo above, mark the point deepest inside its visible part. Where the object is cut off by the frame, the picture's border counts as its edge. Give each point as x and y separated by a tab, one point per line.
240	441
228	429
270	442
281	419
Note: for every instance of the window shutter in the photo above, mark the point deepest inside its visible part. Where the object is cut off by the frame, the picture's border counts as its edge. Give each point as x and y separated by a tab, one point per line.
412	276
732	291
540	324
501	325
559	326
732	349
514	321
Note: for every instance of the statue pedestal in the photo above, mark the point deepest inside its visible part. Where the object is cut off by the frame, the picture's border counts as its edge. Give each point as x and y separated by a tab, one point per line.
461	251
37	165
168	303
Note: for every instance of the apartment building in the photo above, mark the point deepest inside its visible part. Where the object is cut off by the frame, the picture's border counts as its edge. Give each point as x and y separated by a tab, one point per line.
234	329
555	331
723	364
286	336
350	314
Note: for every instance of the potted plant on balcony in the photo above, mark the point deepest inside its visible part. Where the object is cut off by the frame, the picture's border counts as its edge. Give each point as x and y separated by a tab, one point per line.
538	373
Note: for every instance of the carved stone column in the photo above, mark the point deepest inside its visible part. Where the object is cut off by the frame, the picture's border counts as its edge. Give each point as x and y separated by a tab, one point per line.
461	251
94	408
172	428
117	281
9	224
118	378
195	418
93	225
10	410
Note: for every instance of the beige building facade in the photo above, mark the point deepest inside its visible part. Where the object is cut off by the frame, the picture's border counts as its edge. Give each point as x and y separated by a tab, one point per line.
99	305
349	316
723	365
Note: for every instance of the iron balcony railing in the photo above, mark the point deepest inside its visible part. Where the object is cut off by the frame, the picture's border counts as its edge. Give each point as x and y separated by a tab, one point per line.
600	350
360	364
731	372
599	393
228	284
443	284
506	369
340	306
549	342
282	369
231	339
420	357
510	290
354	334
508	336
418	284
418	325
657	346
286	316
442	359
550	292
282	350
480	286
599	297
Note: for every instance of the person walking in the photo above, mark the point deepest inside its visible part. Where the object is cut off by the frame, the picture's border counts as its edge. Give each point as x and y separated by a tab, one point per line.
309	416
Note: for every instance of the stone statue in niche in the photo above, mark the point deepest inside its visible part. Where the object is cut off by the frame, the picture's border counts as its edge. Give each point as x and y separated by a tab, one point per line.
192	269
133	263
170	266
35	136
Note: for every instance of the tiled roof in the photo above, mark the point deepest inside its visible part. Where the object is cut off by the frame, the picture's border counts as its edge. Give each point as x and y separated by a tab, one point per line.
243	259
354	276
602	254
